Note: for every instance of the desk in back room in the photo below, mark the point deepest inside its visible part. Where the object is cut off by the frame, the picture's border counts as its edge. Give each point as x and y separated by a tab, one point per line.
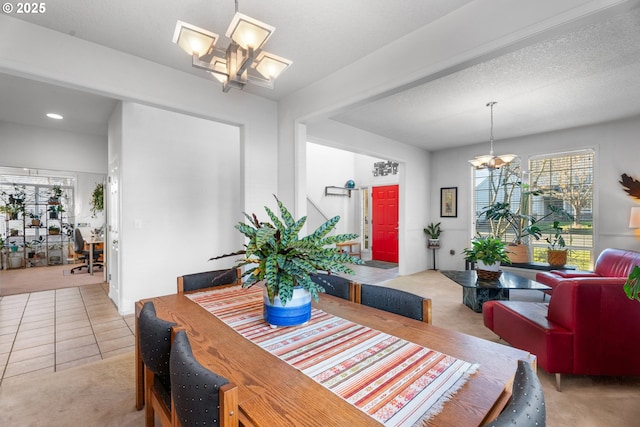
94	244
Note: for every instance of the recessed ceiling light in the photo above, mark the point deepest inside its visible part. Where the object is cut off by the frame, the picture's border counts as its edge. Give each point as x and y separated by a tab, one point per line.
54	116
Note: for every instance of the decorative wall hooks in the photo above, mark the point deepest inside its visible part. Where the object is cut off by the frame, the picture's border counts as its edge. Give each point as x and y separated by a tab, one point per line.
385	168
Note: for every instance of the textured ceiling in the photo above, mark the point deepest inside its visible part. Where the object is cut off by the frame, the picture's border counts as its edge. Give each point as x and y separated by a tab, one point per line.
588	75
319	36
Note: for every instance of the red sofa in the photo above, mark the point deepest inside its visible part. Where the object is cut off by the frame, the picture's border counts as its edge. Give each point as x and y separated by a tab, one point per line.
612	267
588	328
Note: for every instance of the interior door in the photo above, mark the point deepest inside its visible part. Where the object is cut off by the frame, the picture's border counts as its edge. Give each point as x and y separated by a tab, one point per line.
384	218
113	233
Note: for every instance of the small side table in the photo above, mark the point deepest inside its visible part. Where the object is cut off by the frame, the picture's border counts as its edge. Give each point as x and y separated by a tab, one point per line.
434	247
352	248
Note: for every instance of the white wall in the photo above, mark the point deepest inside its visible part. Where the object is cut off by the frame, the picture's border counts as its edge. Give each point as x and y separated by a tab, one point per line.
38	148
180	187
71	62
85	184
331	167
616	152
413	182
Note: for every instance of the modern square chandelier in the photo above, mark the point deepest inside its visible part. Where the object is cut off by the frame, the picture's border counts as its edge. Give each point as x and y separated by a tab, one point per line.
242	62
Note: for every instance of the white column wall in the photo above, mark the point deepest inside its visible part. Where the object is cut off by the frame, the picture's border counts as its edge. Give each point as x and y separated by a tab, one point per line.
180	193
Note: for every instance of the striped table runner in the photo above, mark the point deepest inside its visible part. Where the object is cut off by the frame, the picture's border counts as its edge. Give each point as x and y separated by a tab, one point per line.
396	382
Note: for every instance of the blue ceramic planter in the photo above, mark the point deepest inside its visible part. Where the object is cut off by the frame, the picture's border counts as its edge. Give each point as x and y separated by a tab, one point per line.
297	311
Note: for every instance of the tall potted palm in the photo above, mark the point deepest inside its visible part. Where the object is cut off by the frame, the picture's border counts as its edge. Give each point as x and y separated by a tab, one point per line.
276	256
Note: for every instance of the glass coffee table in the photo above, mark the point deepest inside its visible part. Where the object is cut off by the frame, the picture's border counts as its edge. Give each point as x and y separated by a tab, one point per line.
475	292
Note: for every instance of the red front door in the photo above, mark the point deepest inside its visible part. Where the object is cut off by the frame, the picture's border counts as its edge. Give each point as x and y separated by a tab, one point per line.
385	223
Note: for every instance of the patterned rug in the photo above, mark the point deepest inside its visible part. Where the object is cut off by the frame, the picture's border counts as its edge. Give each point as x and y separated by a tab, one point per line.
396	382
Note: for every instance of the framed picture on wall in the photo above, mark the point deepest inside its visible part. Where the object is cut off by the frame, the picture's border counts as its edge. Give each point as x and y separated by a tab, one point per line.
449	202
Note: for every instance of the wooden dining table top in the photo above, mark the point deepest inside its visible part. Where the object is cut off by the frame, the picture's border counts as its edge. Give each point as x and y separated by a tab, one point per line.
272	393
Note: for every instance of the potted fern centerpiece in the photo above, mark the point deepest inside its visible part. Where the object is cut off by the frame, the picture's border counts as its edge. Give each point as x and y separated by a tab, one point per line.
276	256
488	253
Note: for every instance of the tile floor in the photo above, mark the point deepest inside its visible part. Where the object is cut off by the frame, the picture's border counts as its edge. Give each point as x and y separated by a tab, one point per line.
369	275
53	330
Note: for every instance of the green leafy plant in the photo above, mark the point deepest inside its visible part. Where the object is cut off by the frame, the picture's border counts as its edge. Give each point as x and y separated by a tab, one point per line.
487	249
276	254
555	239
433	231
632	285
56	191
523	225
97	199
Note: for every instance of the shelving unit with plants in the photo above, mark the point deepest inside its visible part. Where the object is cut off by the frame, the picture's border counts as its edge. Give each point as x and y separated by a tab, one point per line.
37	228
13	208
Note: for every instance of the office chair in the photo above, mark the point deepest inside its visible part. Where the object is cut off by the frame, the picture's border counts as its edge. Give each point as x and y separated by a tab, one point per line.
82	253
394	301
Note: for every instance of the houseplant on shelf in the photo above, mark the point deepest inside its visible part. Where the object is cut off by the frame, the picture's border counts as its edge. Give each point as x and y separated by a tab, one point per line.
35	219
488	253
433	231
284	262
556	253
56	194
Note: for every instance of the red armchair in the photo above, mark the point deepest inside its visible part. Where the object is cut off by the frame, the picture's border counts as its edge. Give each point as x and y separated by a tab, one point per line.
612	267
587	328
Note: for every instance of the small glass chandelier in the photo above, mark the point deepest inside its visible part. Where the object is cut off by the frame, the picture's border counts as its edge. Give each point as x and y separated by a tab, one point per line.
490	161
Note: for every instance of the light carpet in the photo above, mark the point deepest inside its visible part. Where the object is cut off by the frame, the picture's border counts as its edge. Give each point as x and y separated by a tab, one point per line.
100	394
36	279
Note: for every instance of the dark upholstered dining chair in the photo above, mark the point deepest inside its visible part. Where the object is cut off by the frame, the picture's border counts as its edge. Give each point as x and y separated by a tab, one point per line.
335	285
526	407
200	397
394	301
209	279
155	346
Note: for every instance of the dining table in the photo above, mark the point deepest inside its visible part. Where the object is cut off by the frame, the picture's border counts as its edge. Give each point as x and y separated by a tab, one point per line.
273	393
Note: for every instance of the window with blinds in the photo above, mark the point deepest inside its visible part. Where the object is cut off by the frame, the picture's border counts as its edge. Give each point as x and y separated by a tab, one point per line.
562	180
566	181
